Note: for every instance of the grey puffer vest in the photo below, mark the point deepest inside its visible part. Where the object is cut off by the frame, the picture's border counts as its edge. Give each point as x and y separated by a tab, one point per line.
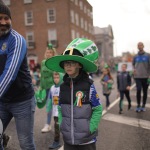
75	125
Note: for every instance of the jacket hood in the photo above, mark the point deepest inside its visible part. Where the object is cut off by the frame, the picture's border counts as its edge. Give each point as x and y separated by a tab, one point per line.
61	75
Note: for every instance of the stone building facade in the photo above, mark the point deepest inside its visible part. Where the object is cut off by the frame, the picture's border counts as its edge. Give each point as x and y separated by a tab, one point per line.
104	40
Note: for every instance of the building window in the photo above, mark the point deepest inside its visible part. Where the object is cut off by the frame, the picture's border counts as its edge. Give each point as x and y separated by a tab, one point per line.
77	19
82	23
73	36
29	18
91	14
85	25
88	12
85	9
77	35
72	16
81	5
90	28
52	37
27	1
30	40
7	2
51	15
76	2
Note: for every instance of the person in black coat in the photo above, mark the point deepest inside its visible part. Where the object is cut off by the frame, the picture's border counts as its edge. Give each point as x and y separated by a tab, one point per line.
123	85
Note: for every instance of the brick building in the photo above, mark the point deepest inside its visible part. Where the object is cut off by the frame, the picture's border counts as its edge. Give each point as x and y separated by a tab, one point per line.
50	21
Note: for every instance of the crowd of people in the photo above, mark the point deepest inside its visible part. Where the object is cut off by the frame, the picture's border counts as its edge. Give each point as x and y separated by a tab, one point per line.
140	74
69	92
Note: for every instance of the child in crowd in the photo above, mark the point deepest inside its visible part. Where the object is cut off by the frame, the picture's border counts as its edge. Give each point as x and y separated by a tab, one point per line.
79	108
46	82
106	81
123	85
53	105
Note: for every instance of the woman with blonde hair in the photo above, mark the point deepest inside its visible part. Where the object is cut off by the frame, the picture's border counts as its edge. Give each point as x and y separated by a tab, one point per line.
46	81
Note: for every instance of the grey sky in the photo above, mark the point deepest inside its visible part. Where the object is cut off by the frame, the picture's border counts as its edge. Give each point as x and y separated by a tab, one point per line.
130	20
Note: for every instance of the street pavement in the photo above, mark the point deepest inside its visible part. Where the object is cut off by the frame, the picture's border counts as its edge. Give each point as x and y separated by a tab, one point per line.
128	131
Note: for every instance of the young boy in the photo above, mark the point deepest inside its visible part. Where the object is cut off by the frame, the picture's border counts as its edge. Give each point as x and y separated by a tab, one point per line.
53	102
79	108
123	85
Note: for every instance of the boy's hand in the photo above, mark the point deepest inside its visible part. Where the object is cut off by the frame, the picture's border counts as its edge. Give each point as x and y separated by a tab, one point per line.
128	88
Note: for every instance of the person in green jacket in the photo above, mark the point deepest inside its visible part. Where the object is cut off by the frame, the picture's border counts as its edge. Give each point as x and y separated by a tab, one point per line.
46	81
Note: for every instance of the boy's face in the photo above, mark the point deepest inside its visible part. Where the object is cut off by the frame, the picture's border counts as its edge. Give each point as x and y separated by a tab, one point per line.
72	68
124	67
56	78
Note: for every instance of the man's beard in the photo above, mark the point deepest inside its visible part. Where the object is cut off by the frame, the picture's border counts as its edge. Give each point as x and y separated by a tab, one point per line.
5	31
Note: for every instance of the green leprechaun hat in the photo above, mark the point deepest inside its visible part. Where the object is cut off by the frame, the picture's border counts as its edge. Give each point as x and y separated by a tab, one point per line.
40	96
81	50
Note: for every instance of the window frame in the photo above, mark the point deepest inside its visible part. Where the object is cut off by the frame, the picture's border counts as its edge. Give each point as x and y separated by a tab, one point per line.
27	17
72	15
73	34
7	2
27	1
81	5
31	33
53	15
77	19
